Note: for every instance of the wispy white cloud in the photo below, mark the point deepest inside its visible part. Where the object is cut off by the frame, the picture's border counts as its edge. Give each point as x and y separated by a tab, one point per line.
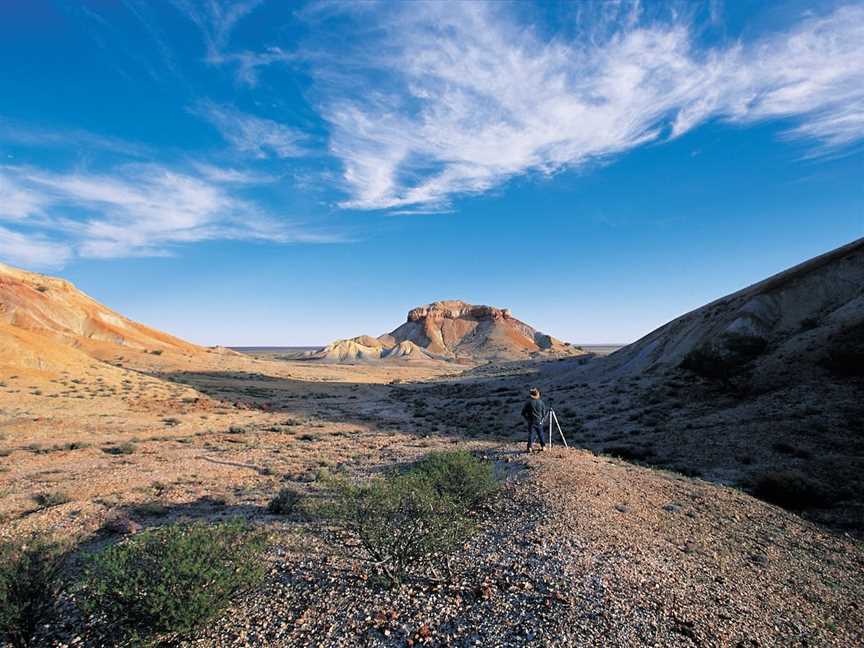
143	11
32	250
137	210
473	97
248	63
16	133
229	175
251	135
16	202
216	19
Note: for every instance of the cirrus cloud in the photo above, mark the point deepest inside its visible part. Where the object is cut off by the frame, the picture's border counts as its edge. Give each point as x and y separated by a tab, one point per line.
136	210
474	97
261	138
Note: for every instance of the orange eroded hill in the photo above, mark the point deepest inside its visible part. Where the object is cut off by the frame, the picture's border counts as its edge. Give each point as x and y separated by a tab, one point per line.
47	324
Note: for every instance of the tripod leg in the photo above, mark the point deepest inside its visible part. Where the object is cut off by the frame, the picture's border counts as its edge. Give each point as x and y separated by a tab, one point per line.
560	432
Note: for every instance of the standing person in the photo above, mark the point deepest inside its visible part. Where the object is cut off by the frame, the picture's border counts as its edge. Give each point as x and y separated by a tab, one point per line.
534	412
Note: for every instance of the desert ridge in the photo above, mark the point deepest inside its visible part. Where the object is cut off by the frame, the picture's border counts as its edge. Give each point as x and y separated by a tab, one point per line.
49	328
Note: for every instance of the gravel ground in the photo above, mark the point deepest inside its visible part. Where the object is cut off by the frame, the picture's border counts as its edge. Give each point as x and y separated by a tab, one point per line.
580	550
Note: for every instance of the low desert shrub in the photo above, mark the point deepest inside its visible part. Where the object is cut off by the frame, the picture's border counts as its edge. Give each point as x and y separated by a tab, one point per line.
845	363
402	523
744	347
409	523
726	360
707	362
791	490
73	445
458	475
844	353
151	509
285	502
629	453
122	449
51	498
29	585
171	579
809	323
788	449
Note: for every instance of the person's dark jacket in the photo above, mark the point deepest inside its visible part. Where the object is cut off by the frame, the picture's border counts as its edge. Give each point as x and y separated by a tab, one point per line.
534	410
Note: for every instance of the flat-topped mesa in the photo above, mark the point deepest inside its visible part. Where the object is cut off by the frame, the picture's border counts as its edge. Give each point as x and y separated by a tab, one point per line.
455	309
451	330
458	330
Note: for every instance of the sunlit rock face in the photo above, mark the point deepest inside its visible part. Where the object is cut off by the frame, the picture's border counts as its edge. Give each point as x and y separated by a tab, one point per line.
451	330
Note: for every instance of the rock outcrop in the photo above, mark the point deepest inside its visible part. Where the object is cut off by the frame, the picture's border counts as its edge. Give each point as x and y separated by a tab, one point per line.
451	331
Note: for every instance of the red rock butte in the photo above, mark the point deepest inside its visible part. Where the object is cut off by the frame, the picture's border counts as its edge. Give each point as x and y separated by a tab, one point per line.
451	330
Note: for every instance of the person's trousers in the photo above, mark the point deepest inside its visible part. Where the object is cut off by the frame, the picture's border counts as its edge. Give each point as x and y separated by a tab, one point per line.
535	427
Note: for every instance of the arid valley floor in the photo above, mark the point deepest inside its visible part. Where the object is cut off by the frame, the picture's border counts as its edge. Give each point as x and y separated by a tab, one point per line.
712	493
580	548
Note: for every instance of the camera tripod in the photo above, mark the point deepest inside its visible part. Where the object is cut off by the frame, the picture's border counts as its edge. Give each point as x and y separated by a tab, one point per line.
553	420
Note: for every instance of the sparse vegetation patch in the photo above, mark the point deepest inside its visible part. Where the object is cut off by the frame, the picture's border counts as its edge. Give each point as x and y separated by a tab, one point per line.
121	449
459	475
727	360
408	523
285	502
29	585
791	490
171	579
51	499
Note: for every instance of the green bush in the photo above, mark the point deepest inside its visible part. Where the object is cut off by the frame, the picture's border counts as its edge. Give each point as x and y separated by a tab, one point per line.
403	524
458	475
29	585
171	579
707	362
409	523
285	502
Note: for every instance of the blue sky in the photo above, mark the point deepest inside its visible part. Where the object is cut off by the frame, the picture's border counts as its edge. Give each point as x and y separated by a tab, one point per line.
263	172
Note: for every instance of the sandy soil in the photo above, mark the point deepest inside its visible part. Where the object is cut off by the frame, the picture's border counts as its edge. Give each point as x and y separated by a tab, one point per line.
230	432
